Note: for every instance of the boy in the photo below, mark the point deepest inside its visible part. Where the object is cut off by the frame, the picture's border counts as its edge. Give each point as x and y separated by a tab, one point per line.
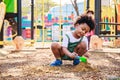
75	43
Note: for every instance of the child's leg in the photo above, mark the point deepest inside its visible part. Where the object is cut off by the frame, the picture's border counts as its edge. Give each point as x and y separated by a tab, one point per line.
88	41
81	48
57	51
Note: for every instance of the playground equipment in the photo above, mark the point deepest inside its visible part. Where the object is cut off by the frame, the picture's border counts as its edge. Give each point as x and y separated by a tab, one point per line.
116	43
52	27
2	13
10	28
26	28
19	42
8	37
96	43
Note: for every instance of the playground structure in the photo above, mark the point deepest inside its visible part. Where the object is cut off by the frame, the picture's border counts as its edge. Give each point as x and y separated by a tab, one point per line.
50	28
34	64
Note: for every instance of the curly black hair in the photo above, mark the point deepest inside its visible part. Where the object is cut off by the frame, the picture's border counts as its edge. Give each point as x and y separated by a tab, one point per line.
90	11
86	19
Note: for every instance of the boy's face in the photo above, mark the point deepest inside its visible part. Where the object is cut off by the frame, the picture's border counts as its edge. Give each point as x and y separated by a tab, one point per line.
90	14
82	29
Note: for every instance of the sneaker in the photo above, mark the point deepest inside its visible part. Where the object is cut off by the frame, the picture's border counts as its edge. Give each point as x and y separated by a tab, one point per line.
76	61
57	62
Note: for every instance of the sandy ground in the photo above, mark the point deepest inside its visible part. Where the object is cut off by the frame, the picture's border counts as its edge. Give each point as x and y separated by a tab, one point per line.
34	65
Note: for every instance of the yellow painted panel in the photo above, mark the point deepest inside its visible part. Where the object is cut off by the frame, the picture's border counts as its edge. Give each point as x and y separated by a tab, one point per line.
92	5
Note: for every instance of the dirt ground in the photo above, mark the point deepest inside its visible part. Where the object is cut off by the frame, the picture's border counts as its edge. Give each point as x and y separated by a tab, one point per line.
34	65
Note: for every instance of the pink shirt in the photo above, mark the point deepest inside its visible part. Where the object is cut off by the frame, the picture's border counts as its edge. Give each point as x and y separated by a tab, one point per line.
90	33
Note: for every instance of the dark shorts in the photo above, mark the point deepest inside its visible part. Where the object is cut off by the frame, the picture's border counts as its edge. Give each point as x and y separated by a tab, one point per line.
66	58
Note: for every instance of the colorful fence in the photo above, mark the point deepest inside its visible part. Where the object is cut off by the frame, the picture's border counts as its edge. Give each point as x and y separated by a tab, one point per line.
54	28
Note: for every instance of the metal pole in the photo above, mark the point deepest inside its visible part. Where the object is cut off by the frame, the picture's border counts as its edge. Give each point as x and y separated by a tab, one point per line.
88	1
60	20
116	31
109	23
1	36
1	33
32	18
97	16
19	17
43	25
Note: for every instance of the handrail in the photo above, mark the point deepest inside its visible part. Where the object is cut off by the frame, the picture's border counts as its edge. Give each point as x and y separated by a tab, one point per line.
109	23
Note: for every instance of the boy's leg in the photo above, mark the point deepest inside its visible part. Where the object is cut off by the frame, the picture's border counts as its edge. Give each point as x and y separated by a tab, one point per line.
56	49
88	41
81	48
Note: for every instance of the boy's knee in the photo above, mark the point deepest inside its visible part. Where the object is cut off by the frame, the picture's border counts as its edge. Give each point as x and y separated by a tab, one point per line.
81	48
82	45
55	45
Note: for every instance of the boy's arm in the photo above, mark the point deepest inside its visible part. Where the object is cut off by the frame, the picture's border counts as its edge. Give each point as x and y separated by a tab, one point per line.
68	53
82	47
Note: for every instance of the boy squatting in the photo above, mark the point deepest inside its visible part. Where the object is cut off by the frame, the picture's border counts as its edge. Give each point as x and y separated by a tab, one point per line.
74	44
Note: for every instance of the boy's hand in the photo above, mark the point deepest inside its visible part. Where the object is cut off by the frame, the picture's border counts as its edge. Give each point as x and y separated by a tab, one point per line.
73	55
87	55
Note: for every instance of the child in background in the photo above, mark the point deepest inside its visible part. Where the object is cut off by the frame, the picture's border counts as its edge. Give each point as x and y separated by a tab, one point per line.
89	34
74	44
